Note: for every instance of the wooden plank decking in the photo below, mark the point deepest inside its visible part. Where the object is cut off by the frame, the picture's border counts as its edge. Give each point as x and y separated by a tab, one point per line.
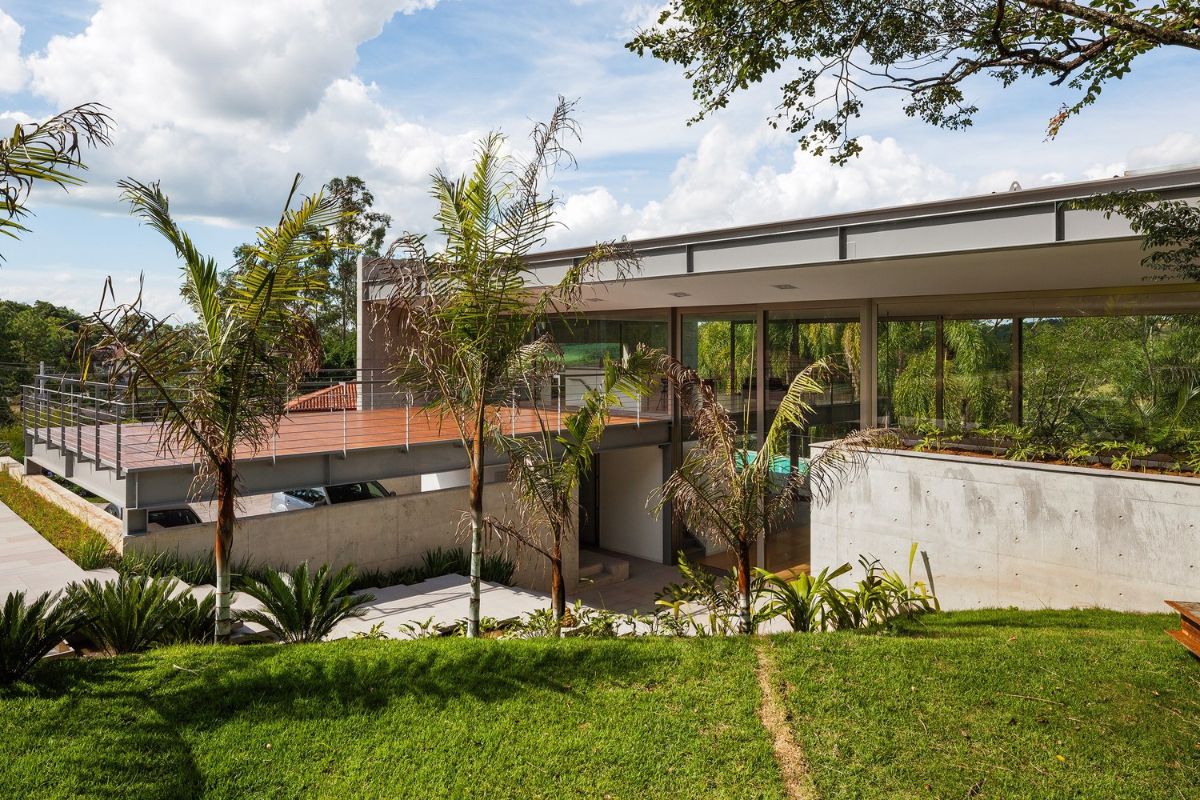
1188	634
299	434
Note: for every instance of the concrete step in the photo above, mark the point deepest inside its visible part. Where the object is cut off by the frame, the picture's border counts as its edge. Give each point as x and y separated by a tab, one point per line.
601	569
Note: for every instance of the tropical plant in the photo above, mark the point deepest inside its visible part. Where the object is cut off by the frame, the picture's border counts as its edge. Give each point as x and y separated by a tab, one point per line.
718	597
444	562
880	597
94	553
47	152
376	633
801	600
547	467
304	607
192	619
727	494
1080	453
469	313
29	631
128	615
425	629
222	383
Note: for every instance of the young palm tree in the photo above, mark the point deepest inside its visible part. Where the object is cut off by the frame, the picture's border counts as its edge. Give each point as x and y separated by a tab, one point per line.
223	381
546	468
47	152
726	493
470	312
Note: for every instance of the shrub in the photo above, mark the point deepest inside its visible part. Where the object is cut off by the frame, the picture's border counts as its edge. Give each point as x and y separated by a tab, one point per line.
303	607
444	562
497	569
28	632
802	600
94	553
128	615
193	620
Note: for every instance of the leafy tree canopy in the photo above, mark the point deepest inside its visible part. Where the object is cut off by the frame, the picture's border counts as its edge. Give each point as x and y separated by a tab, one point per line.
835	52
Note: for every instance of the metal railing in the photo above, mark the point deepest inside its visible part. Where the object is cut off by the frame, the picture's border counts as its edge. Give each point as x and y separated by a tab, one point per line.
106	425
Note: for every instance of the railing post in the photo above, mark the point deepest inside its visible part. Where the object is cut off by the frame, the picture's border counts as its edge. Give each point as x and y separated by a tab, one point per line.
62	418
118	415
408	421
559	378
78	426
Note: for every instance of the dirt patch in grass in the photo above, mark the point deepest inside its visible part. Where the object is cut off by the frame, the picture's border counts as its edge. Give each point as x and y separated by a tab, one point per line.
774	717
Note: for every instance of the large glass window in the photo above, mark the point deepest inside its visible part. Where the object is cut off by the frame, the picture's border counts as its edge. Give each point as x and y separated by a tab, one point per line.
1058	380
907	373
587	341
1114	378
794	342
721	348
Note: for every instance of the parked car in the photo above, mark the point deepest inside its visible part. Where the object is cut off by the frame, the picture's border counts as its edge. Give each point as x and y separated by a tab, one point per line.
295	499
159	518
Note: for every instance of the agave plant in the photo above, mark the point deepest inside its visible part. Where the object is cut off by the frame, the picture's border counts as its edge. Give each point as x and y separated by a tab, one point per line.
303	607
28	632
128	615
801	601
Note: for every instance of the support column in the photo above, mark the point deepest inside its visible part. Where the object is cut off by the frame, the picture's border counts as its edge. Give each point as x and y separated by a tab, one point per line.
939	373
134	520
673	531
868	365
761	368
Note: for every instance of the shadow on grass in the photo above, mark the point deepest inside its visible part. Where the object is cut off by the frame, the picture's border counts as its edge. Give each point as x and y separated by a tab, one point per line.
140	713
992	623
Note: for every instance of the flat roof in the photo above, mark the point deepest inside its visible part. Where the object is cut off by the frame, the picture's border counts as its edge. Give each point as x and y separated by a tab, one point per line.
1167	180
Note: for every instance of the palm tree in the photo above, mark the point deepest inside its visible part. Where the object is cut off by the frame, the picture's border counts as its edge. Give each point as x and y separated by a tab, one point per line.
223	381
725	493
469	313
46	152
546	468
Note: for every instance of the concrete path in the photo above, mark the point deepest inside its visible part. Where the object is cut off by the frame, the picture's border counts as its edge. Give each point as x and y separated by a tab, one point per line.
29	563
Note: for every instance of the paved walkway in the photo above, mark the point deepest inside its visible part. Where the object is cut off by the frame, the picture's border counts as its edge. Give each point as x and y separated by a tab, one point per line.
29	563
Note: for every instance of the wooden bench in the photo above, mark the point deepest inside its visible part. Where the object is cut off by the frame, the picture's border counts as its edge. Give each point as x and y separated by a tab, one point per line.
1188	634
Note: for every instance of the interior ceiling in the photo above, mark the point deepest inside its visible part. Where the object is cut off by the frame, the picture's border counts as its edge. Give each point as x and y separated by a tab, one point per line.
1058	266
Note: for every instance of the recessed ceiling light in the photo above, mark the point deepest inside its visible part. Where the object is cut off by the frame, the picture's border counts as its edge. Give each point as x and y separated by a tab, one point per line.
679	294
783	286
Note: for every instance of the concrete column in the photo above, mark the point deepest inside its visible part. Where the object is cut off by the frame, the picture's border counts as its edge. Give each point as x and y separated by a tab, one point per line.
868	364
134	520
761	368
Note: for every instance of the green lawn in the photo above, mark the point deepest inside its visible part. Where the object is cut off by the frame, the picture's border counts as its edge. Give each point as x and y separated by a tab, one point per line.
428	719
1086	704
75	538
987	705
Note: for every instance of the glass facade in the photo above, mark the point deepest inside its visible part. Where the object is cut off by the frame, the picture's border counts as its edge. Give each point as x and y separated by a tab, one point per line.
720	347
796	341
1056	379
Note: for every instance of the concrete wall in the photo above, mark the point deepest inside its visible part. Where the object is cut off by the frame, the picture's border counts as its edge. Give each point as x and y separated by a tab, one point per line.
626	479
1000	533
386	533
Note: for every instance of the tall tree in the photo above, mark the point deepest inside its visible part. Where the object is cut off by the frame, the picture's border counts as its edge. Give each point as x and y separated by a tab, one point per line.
361	230
834	52
546	468
470	311
222	382
727	493
47	152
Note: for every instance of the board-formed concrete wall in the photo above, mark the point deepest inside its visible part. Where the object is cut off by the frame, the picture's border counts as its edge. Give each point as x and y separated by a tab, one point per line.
384	533
1000	533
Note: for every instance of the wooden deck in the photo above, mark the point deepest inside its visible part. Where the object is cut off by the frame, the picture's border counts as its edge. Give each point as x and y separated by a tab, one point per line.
1188	634
299	434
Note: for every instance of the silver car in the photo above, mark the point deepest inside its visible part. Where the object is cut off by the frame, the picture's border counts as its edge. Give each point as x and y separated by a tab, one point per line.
295	499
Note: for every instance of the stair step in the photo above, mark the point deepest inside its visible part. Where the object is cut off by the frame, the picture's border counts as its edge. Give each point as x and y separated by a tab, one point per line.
591	569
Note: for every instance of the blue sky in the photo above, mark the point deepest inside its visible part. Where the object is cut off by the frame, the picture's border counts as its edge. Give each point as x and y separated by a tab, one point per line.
224	101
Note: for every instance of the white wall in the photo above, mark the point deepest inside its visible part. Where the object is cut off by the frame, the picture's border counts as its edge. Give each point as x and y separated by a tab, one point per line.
1001	533
626	479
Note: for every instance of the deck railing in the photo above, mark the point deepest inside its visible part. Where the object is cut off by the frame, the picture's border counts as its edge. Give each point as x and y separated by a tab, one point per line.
339	410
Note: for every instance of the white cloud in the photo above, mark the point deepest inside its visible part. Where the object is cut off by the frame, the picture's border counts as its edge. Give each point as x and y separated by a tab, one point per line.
734	178
12	69
224	101
1177	149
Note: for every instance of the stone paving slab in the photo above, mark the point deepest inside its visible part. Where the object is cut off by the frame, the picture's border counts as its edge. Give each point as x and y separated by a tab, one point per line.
29	563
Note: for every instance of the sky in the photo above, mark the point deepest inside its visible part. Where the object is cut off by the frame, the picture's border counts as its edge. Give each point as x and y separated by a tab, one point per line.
224	101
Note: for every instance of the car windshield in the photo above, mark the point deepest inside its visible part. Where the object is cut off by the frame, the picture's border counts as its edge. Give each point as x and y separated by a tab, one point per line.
173	517
349	492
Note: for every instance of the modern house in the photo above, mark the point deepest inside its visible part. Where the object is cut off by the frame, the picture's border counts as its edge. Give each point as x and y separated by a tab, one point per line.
984	329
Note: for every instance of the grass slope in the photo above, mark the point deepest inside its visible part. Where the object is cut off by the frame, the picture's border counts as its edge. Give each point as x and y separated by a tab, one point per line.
76	539
360	719
1074	704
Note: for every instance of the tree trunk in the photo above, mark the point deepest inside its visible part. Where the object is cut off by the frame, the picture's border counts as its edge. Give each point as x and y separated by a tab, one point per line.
476	523
743	566
558	590
224	543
